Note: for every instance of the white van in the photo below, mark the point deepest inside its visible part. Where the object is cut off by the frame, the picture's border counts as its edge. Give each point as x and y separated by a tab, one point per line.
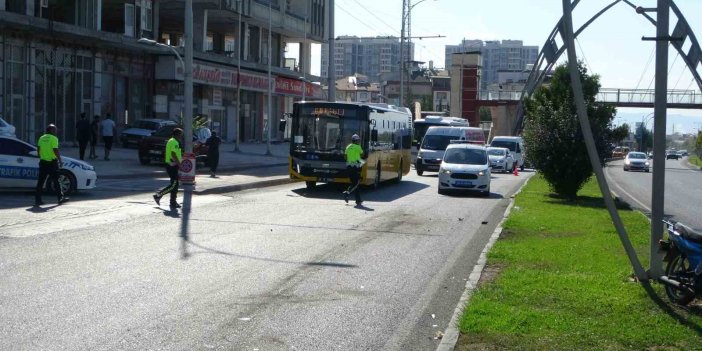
434	143
515	146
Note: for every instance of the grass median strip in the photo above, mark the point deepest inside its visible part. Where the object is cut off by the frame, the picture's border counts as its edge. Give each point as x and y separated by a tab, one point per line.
695	160
563	282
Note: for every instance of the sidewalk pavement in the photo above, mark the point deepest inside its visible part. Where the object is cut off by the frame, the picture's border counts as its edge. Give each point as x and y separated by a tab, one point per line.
246	169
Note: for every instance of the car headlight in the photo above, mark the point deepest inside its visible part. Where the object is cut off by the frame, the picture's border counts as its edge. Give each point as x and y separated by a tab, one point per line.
627	162
647	164
481	173
444	171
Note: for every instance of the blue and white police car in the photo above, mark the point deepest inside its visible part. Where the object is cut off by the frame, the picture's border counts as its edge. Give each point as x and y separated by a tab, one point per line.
19	168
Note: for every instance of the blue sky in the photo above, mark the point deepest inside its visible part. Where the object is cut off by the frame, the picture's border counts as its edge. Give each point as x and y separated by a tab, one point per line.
611	46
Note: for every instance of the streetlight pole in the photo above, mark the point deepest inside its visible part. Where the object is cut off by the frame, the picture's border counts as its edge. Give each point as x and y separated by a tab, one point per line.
188	78
237	115
406	18
270	90
304	54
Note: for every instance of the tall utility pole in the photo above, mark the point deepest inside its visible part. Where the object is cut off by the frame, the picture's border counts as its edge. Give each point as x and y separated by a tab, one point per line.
188	78
402	54
331	79
237	115
304	53
270	83
659	124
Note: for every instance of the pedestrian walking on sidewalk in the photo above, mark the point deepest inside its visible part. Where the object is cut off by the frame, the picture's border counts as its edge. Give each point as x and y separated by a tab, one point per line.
107	130
173	158
94	132
49	164
213	143
82	134
354	153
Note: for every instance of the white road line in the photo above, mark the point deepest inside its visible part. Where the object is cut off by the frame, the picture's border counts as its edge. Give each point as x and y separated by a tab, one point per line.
621	189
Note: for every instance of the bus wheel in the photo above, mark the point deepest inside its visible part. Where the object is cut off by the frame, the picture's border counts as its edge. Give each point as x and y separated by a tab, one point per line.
376	181
399	173
310	184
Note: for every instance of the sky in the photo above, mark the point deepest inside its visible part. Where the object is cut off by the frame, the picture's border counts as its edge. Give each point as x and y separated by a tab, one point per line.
611	47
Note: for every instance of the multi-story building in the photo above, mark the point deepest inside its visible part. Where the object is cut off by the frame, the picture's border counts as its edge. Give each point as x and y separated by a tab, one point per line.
61	58
370	57
505	55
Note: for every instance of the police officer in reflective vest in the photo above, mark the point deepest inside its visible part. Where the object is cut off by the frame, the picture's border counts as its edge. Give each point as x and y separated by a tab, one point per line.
49	164
173	158
354	153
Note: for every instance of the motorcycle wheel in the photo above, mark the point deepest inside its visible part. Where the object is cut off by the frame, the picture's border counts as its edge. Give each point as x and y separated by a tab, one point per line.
678	269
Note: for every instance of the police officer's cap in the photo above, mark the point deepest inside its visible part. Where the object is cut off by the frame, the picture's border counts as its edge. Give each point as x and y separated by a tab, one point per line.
355	137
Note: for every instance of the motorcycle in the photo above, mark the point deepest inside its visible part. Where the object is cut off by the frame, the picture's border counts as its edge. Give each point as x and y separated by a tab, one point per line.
683	254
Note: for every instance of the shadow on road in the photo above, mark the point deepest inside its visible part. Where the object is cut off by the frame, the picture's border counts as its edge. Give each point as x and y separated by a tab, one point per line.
387	192
209	250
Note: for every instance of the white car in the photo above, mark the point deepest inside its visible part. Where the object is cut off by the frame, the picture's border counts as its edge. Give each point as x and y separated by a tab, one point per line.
19	168
500	159
636	161
6	129
465	167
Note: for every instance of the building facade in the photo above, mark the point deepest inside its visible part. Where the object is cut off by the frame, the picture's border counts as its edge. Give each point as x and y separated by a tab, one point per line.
370	57
505	55
59	59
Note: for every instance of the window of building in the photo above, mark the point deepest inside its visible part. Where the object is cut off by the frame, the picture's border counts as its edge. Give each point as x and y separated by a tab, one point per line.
16	6
147	16
129	20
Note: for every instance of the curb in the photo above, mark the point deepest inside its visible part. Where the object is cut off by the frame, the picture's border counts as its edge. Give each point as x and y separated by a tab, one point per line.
244	186
448	342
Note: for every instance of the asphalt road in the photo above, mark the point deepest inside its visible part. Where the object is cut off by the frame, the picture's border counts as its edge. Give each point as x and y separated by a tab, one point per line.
277	268
682	190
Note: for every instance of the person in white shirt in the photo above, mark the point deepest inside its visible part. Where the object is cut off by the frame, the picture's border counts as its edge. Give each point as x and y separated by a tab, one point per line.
107	131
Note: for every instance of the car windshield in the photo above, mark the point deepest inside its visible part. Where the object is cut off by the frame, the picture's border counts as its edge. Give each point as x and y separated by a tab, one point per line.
496	152
465	156
165	131
437	142
511	145
146	125
637	155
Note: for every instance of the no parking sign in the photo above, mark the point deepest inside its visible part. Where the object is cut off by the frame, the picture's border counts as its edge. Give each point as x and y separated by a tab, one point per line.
186	173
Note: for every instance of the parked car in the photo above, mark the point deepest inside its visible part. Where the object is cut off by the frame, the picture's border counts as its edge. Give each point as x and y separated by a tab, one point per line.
465	167
141	129
153	147
636	161
6	129
683	153
500	159
19	168
515	145
672	154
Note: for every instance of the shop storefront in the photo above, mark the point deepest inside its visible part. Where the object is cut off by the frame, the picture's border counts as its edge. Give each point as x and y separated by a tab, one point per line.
42	83
215	89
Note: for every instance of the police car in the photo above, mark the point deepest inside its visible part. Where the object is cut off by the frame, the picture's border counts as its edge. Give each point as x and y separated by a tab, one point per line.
19	168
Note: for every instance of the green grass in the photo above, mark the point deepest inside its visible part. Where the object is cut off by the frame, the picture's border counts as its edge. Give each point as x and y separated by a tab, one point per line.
564	283
695	160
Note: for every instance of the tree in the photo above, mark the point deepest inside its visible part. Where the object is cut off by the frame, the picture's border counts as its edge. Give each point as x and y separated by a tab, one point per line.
698	144
552	134
485	114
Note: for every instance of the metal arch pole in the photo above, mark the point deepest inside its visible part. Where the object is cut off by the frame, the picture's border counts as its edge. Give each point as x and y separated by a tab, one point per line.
659	125
576	84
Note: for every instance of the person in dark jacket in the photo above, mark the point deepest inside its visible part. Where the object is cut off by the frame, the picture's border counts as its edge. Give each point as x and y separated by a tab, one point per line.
213	153
82	134
94	129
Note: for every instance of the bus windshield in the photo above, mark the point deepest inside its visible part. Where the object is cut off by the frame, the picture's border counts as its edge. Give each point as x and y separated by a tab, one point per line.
321	129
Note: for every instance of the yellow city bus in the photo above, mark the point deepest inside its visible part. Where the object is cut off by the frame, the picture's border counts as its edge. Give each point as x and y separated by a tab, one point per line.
321	131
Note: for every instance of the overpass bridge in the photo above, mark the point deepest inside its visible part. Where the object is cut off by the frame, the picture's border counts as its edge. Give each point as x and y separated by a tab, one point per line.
644	98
